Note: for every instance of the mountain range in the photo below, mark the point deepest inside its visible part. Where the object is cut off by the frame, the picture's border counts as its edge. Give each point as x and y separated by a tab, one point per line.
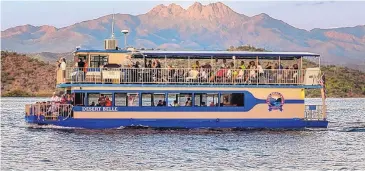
199	27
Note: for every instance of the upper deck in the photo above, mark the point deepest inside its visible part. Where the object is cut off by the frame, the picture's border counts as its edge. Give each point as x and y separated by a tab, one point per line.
191	68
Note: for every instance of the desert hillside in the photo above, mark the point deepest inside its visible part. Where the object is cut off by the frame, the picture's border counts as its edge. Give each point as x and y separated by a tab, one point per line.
25	76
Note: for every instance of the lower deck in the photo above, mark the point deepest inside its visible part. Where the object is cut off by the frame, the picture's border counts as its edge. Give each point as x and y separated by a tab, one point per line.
185	107
182	123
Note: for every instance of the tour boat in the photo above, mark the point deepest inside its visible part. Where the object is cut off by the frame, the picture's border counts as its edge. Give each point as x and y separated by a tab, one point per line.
184	89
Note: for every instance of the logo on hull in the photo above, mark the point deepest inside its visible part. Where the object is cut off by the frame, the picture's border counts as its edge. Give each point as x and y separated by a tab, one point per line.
275	100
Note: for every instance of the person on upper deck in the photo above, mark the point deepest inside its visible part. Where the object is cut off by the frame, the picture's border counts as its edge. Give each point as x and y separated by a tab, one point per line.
80	64
224	64
260	69
127	62
268	65
86	65
63	68
196	65
243	66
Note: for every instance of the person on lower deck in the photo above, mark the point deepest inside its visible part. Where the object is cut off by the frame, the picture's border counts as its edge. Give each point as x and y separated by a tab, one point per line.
160	103
101	100
108	102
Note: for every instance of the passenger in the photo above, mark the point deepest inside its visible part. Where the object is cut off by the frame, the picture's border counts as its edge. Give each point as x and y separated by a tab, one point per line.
188	102
158	68
160	103
63	99
164	103
224	65
80	64
63	68
243	66
260	69
203	74
69	99
54	97
92	104
175	104
101	100
196	65
86	65
108	102
203	104
268	65
127	62
211	104
193	74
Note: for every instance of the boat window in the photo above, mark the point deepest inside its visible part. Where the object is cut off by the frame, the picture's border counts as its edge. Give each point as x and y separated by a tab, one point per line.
206	99
147	99
120	99
232	99
93	98
97	61
79	99
171	97
157	97
185	99
133	99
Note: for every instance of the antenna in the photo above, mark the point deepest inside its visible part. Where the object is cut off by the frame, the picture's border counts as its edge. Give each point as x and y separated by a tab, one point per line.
112	37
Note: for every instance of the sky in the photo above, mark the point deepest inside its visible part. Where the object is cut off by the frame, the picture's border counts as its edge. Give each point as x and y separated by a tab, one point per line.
301	14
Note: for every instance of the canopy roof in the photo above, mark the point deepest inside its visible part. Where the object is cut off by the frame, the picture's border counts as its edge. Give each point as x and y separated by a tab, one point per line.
222	54
101	51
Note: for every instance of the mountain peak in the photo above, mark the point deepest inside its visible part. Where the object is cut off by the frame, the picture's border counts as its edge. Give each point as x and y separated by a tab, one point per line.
215	10
166	11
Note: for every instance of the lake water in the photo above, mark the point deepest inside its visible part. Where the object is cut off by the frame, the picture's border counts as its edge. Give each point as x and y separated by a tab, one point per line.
341	146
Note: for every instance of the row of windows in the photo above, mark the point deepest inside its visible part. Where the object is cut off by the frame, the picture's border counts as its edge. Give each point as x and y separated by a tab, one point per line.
169	99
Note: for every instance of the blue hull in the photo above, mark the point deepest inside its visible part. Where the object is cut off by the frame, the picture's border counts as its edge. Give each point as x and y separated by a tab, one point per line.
182	123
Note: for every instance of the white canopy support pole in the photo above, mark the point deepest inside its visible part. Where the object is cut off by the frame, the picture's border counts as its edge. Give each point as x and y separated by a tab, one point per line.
258	74
165	61
301	79
234	62
188	61
211	61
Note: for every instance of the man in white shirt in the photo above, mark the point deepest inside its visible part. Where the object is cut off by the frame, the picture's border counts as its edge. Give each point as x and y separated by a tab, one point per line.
55	98
63	68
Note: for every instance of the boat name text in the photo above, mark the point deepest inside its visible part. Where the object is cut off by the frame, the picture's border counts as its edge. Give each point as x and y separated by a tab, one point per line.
98	109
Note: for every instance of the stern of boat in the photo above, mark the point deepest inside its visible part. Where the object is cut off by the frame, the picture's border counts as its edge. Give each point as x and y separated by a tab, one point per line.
44	114
315	116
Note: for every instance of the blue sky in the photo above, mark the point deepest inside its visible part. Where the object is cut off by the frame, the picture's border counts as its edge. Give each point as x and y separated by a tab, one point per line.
301	14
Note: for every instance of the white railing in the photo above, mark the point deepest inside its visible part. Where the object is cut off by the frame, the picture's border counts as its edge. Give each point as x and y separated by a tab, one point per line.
50	110
188	76
314	112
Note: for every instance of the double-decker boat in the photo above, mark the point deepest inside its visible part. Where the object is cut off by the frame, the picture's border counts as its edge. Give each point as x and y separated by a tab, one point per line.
184	89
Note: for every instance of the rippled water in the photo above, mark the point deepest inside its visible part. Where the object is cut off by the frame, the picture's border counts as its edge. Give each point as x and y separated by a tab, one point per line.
341	146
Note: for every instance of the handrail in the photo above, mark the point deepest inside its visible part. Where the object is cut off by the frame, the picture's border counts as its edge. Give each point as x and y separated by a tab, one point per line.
204	76
314	112
50	110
